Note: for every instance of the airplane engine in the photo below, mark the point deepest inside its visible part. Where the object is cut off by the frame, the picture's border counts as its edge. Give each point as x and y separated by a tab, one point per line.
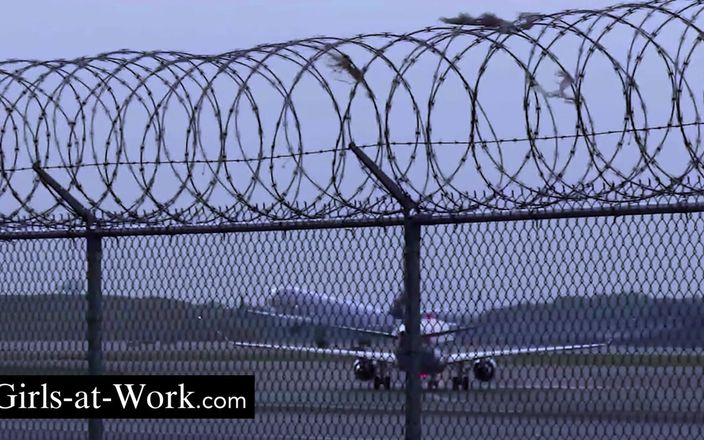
485	369
364	369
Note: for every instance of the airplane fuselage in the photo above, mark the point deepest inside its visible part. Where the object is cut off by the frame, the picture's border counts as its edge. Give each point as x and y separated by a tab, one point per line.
333	311
430	361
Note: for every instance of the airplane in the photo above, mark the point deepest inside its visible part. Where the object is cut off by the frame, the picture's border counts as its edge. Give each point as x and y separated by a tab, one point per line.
374	365
302	307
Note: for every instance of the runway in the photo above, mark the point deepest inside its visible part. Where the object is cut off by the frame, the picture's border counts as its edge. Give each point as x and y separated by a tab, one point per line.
319	399
321	424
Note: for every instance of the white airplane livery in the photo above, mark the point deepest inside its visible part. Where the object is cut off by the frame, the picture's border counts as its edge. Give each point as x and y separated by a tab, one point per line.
317	309
375	365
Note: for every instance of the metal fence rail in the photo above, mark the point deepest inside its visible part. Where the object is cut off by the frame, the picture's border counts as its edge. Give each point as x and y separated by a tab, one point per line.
421	235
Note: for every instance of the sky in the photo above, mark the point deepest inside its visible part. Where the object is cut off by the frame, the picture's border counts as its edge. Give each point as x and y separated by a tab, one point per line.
72	28
33	29
68	29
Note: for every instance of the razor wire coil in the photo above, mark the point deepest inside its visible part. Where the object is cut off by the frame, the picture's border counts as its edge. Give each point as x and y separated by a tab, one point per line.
462	117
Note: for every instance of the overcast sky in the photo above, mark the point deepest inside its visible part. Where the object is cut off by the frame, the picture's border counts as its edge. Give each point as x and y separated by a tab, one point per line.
71	28
32	29
75	28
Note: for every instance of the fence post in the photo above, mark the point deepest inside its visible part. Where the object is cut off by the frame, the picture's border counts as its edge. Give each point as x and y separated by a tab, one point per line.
94	315
411	286
94	318
411	271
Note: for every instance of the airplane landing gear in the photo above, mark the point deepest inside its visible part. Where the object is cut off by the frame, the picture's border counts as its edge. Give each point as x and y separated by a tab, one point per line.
460	379
382	381
433	383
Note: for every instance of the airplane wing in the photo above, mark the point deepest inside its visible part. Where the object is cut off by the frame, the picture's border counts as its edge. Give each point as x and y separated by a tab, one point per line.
308	320
474	355
451	331
372	355
295	318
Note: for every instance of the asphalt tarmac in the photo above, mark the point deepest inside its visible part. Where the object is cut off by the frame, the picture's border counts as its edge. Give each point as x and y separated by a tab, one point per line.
320	399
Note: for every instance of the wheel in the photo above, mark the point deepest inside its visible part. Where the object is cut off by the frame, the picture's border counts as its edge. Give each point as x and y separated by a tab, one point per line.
465	383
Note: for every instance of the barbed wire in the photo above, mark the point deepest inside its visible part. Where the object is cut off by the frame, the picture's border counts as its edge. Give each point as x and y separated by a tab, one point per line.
333	150
593	106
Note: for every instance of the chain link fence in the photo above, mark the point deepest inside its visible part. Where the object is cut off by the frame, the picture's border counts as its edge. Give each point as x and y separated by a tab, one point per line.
485	228
214	303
